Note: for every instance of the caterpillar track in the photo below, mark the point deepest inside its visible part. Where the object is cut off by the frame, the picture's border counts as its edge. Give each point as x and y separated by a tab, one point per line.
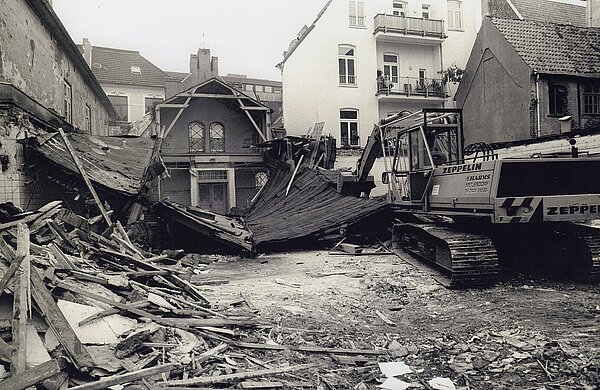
469	260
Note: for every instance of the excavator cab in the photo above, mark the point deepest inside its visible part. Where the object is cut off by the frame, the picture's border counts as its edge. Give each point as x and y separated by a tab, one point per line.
422	142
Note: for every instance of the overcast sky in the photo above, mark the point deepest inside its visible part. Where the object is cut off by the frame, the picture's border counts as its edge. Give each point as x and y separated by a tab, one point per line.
248	36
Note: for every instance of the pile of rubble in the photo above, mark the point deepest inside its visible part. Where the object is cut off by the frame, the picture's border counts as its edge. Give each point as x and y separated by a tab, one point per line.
91	310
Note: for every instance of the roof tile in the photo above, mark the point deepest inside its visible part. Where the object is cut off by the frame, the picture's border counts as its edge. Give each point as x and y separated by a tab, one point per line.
115	67
554	48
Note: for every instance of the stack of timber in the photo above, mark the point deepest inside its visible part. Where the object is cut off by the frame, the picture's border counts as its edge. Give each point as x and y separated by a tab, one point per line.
302	206
91	310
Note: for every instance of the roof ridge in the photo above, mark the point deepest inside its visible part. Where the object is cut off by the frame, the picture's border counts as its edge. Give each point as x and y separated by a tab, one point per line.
115	49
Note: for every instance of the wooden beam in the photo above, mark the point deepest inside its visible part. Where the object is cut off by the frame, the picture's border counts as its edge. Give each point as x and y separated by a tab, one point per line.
209	95
166	132
171	105
21	302
289	186
84	175
10	273
34	375
104	383
204	380
257	108
258	130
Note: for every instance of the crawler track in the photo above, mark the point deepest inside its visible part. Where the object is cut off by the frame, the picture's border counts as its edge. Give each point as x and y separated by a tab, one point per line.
468	260
591	261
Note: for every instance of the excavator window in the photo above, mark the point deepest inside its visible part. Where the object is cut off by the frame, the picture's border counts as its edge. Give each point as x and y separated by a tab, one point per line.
419	155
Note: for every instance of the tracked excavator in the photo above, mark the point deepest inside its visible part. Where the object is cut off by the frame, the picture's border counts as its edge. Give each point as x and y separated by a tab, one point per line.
468	213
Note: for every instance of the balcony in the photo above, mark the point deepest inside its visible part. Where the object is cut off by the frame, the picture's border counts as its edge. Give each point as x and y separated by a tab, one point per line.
406	29
411	88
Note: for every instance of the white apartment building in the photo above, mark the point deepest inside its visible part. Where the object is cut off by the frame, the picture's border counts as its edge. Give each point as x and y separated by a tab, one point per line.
330	71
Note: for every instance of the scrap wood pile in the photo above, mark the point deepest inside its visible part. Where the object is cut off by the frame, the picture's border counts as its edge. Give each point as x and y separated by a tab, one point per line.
92	310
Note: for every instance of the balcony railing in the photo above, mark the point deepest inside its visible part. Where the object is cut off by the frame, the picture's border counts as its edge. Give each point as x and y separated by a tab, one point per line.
409	26
411	86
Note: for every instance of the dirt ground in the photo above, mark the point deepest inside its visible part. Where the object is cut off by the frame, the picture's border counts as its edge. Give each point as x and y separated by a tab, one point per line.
519	334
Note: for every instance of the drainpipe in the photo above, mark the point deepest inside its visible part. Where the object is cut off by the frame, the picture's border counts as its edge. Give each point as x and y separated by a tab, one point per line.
537	106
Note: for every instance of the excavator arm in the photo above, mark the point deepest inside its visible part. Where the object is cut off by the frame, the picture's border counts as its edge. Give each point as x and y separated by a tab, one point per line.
370	153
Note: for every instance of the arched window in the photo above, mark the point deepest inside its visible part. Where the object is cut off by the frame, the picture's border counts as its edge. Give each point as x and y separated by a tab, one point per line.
196	135
217	137
260	179
346	57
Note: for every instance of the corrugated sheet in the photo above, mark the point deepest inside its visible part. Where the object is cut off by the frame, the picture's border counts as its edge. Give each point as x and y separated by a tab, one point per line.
116	163
311	210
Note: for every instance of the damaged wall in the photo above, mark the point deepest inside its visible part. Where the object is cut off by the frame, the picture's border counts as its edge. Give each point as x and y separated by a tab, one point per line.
14	186
35	60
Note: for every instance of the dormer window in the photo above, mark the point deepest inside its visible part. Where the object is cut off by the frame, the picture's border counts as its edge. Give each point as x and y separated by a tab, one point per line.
136	70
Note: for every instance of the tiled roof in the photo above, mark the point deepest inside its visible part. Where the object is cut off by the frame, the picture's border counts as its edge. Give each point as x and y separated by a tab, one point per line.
551	11
554	48
114	66
176	76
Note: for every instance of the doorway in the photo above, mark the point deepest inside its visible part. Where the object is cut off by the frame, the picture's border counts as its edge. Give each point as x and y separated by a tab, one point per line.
213	197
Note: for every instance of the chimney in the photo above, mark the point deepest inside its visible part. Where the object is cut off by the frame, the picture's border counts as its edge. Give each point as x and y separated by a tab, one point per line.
203	66
87	51
214	66
593	13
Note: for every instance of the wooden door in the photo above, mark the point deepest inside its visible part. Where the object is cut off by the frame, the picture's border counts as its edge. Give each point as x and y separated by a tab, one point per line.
213	197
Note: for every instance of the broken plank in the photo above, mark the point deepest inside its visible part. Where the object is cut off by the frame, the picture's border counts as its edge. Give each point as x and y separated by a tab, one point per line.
261	385
248	303
21	307
237	376
34	375
127	307
10	272
84	176
204	356
311	349
384	318
6	350
53	316
59	324
124	378
110	312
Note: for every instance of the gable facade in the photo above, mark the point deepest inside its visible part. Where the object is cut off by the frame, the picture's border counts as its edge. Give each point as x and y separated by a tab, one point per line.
207	132
527	79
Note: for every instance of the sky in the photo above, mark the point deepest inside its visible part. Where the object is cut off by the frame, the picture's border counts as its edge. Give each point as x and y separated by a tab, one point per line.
248	36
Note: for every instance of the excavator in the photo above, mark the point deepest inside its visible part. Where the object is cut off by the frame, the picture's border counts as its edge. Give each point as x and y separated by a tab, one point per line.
470	214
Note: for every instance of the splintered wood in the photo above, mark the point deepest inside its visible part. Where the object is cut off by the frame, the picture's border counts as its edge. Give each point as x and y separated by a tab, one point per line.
115	314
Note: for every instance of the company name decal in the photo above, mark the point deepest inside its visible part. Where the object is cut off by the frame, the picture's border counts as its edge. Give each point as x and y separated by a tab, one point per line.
570	210
462	168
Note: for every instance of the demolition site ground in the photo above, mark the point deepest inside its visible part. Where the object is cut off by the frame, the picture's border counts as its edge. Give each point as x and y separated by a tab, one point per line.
524	333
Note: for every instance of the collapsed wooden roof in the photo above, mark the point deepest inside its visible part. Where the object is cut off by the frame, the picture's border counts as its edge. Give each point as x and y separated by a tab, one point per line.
118	164
312	209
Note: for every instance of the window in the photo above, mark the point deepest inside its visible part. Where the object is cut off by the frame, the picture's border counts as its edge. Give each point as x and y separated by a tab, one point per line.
217	137
455	20
248	87
390	67
136	70
68	101
357	13
120	104
346	64
260	179
268	89
150	103
558	99
399	8
422	78
196	135
259	88
349	128
425	11
211	176
87	124
591	100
